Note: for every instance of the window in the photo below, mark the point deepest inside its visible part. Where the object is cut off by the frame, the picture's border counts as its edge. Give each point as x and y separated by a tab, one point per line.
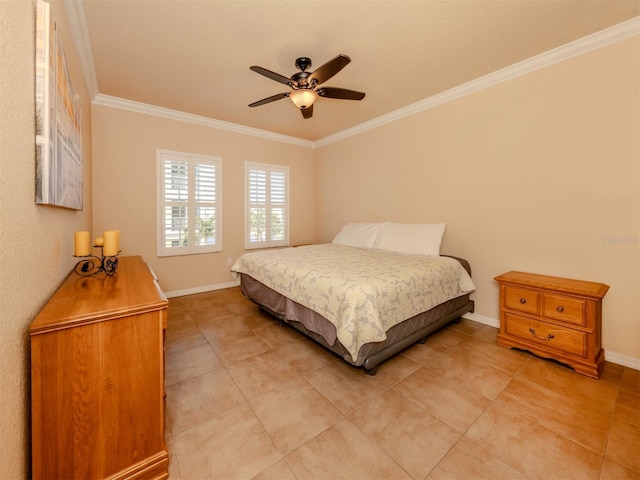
267	205
188	203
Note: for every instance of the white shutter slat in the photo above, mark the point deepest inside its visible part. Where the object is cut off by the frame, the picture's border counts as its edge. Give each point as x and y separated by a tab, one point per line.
205	227
175	226
278	187
205	184
176	181
257	186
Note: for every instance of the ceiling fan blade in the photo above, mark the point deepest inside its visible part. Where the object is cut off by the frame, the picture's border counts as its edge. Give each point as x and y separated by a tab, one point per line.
274	76
307	112
341	93
329	69
270	99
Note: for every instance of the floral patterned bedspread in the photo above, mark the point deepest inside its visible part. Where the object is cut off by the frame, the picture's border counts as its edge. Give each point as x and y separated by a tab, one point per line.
363	292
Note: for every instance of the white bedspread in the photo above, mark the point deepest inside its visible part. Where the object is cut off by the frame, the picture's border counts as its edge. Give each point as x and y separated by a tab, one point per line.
363	292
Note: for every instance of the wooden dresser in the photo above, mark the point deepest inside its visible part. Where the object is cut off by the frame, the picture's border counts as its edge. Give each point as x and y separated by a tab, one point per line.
554	318
97	378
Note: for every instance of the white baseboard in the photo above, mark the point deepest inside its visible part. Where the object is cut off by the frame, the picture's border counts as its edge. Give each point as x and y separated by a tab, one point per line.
203	289
609	356
623	360
492	322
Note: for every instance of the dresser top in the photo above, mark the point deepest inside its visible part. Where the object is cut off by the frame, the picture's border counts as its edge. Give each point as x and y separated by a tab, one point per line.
81	300
557	284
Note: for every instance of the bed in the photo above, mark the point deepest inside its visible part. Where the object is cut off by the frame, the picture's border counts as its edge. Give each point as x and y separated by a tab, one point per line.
374	291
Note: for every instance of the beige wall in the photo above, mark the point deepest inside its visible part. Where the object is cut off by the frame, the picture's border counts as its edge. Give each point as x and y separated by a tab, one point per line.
36	242
124	179
538	174
545	169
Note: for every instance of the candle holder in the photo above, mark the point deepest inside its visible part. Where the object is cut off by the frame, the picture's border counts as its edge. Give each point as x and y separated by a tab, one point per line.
93	264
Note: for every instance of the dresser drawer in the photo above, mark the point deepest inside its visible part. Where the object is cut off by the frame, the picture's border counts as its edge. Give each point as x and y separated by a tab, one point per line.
521	299
565	309
546	335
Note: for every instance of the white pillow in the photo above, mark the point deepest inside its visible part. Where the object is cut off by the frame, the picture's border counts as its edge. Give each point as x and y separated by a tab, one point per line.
415	239
361	235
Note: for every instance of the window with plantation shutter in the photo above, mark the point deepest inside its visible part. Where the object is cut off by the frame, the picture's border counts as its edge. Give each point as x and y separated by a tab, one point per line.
188	203
267	205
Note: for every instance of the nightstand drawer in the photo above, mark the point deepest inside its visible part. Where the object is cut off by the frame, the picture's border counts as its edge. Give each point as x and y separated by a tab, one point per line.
546	334
564	309
521	299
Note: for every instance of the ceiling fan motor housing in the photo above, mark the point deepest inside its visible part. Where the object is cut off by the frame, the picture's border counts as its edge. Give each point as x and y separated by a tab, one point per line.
301	78
303	63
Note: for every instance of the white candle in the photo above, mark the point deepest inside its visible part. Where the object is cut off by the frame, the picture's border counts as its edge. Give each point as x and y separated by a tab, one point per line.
117	240
82	244
111	239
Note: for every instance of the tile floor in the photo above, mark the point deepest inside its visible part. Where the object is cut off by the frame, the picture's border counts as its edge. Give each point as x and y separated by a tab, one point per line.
248	398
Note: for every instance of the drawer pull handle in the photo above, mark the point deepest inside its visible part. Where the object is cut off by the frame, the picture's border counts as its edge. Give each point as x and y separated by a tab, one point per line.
523	300
547	338
560	309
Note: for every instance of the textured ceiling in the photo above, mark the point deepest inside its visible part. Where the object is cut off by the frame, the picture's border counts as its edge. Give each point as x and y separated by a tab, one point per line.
194	55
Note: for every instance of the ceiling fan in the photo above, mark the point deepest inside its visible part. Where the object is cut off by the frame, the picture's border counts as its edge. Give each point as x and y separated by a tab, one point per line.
305	84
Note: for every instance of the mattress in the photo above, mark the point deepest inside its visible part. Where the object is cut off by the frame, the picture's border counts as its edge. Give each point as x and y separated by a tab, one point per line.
362	293
370	355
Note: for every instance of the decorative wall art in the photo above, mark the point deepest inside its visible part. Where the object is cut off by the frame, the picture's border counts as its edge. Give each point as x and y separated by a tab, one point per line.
58	120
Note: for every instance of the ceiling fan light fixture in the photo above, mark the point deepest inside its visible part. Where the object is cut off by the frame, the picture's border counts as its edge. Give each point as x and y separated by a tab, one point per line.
303	98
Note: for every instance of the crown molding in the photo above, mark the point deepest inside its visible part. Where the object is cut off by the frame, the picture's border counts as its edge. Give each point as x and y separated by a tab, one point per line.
80	34
147	109
76	18
591	42
78	26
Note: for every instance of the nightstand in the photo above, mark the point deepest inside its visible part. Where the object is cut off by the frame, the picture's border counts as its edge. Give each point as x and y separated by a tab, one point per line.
553	317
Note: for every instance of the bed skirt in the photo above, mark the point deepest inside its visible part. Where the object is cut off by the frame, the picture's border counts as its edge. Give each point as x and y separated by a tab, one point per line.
401	336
